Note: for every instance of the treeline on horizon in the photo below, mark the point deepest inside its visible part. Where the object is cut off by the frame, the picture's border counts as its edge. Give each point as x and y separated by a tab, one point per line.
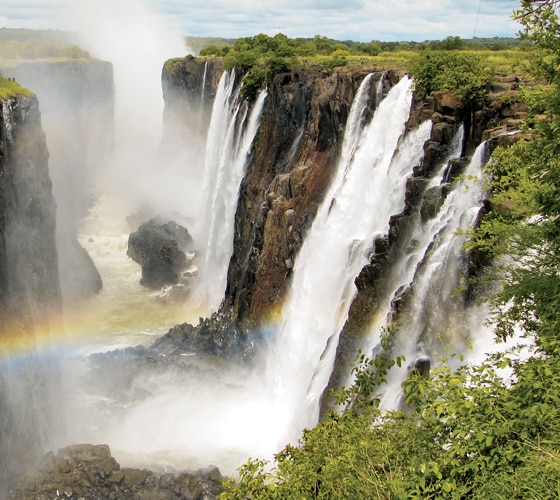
39	44
322	44
260	57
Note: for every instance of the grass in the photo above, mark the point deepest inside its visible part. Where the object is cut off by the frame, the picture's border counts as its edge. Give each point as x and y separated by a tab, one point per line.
12	89
504	61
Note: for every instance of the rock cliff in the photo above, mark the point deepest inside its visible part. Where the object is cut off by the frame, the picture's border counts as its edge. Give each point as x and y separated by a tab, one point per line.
30	297
292	161
29	283
297	149
77	110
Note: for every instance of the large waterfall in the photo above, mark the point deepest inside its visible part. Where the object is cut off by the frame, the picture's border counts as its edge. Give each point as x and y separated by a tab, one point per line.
229	141
367	190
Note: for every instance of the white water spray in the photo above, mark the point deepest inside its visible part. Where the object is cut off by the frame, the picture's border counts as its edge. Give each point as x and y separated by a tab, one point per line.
335	250
402	272
433	316
230	137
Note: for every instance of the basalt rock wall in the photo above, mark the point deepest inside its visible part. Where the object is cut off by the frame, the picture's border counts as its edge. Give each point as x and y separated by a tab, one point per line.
77	107
292	162
29	284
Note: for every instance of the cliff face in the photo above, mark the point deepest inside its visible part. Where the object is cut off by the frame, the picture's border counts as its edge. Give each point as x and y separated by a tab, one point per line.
189	88
29	283
78	118
30	297
297	149
292	162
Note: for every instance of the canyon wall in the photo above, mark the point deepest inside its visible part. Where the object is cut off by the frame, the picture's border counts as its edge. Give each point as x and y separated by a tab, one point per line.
29	283
30	296
292	161
77	107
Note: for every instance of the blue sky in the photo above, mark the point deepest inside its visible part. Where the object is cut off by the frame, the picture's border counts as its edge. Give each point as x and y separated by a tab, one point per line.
361	20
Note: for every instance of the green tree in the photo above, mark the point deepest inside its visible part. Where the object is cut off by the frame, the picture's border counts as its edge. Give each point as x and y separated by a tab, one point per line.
460	73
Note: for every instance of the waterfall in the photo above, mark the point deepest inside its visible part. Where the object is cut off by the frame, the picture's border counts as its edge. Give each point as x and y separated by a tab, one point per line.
434	317
230	136
338	245
401	274
203	85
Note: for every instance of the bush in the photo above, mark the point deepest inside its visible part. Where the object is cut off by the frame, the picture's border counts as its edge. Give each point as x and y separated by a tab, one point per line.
253	82
460	73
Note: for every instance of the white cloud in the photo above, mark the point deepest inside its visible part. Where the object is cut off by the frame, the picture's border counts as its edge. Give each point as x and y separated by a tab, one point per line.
362	20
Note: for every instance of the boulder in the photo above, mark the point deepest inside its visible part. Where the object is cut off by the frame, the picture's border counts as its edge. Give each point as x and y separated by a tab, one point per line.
162	249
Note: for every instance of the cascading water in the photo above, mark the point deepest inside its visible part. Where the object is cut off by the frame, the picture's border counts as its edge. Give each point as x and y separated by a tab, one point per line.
203	84
401	274
434	317
337	247
230	137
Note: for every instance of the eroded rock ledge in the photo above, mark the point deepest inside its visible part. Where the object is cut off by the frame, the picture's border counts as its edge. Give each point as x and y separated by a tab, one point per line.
89	472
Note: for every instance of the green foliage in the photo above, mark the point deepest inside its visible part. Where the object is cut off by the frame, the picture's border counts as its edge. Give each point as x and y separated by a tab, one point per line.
467	435
322	45
338	58
10	88
253	82
460	73
260	58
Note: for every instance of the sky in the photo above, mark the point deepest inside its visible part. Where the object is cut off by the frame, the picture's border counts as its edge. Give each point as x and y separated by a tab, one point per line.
359	20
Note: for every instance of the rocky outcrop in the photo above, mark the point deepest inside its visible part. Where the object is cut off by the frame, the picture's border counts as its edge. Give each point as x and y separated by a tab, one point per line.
76	99
298	145
87	471
216	336
291	165
162	249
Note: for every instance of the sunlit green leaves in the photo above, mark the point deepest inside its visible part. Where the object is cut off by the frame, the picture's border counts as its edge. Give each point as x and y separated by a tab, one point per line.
459	73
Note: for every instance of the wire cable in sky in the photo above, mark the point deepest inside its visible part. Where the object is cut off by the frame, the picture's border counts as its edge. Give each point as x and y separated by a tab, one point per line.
477	16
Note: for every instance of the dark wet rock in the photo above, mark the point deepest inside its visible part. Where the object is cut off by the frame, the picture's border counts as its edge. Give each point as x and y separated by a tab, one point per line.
421	365
89	472
219	335
454	168
79	276
432	201
162	249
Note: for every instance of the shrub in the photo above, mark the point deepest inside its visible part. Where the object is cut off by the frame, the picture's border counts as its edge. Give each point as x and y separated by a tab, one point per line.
460	73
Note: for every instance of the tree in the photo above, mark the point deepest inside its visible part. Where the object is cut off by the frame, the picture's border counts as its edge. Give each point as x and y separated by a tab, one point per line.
460	73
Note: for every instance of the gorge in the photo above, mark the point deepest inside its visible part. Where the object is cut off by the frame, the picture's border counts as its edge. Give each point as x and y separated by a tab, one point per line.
346	190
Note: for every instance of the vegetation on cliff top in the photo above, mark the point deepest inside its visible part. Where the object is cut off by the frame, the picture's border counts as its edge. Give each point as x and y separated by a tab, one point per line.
467	432
10	88
28	45
467	64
